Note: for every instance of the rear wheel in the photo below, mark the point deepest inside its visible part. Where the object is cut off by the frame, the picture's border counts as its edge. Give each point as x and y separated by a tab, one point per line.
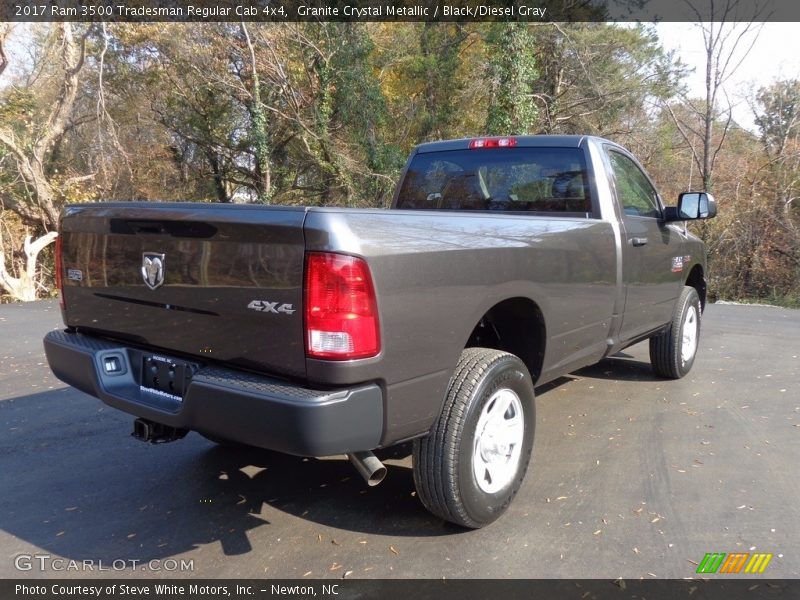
470	467
672	352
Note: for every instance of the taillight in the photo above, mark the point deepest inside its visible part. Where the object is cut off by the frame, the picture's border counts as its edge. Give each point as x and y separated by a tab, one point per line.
58	268
340	308
502	142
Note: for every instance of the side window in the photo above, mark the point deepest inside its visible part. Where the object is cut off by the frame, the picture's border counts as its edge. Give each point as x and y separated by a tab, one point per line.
637	196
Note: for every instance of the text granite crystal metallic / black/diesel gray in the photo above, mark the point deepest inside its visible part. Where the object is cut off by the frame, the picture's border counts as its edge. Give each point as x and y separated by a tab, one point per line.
504	263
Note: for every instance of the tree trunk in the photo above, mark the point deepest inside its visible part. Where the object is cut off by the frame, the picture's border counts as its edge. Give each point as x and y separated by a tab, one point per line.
24	287
216	173
708	124
259	133
32	155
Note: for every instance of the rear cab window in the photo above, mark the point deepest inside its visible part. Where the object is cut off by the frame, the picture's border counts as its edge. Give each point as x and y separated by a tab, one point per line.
551	181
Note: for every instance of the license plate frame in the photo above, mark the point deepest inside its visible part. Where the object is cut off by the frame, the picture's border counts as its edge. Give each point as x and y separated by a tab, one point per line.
166	376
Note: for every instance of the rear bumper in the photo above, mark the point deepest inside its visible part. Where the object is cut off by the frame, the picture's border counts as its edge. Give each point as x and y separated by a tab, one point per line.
225	403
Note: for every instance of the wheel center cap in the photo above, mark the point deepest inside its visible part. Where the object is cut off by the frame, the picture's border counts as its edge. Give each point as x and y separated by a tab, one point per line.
492	449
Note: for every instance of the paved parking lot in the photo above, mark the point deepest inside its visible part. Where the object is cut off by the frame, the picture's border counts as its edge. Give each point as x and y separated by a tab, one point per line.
632	476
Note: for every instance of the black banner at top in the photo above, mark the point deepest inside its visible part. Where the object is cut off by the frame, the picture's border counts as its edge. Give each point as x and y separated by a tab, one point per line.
280	11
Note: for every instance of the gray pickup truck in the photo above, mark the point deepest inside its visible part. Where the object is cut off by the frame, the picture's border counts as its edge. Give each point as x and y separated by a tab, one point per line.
503	264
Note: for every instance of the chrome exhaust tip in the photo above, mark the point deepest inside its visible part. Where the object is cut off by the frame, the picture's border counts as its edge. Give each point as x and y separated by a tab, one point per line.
368	466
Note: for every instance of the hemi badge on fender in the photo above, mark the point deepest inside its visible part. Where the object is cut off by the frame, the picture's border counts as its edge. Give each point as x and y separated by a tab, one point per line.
677	264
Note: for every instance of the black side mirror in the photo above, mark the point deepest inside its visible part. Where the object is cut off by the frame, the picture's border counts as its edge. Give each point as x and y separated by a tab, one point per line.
692	206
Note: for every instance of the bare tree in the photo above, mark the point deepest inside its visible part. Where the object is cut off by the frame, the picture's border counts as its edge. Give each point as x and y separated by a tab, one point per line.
23	286
31	155
40	207
4	31
727	40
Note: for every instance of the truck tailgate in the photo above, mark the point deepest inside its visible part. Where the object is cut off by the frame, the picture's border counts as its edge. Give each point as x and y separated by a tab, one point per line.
216	282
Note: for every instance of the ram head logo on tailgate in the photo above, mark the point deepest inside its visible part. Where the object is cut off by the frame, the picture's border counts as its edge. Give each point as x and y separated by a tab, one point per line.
153	269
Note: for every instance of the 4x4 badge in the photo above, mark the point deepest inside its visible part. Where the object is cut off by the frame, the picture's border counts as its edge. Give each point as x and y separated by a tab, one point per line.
272	307
153	269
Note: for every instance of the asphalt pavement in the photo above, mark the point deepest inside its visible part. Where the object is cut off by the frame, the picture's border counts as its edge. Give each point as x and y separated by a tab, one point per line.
632	476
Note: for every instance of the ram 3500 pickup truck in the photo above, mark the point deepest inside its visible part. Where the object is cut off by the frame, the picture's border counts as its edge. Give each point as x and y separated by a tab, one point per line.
503	264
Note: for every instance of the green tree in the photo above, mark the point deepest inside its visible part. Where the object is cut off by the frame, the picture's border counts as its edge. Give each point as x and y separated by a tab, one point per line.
511	74
778	121
436	69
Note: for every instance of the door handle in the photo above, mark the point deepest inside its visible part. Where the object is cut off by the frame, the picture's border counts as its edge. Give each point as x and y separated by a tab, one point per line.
638	241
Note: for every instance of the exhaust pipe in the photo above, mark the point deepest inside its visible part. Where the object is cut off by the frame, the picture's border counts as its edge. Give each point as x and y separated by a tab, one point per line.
368	466
156	433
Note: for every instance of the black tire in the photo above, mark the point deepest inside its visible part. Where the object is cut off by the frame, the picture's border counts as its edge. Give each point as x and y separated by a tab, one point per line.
444	474
666	353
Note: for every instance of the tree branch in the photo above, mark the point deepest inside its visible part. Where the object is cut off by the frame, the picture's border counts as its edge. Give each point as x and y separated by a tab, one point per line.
32	250
685	136
4	31
72	57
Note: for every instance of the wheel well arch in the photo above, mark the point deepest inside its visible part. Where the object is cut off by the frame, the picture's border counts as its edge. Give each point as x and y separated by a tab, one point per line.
515	325
697	280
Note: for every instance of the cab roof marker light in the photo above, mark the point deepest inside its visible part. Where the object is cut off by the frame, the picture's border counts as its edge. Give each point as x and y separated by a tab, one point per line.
501	142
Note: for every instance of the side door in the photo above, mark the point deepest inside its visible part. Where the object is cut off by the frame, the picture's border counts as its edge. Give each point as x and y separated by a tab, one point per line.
652	252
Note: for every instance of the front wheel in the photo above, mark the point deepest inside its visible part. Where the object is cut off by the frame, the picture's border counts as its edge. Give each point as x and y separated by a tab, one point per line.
672	352
471	465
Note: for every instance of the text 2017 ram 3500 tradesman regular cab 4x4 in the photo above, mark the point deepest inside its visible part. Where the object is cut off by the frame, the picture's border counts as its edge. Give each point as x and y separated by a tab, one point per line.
505	262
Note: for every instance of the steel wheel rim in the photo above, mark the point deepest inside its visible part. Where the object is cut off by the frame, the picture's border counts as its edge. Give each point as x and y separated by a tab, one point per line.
689	341
497	445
